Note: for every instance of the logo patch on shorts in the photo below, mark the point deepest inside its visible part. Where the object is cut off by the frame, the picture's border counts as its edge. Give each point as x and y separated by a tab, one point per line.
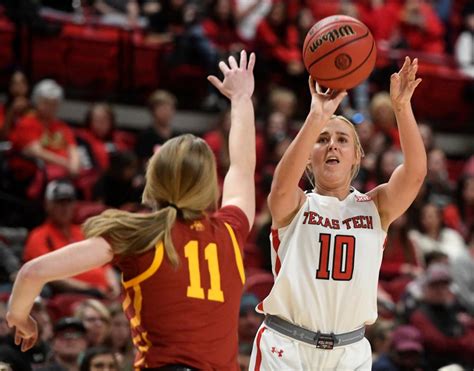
279	352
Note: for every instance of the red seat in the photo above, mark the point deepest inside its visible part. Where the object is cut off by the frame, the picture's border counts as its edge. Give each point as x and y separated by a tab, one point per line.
145	64
49	58
7	33
93	58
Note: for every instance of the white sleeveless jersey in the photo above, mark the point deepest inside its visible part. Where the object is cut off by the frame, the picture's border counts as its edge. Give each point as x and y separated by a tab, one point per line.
326	264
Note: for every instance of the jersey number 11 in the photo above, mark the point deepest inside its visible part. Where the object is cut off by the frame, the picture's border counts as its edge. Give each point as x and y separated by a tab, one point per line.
342	260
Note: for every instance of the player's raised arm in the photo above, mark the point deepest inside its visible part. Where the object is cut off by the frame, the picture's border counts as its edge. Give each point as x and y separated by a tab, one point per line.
238	86
394	197
285	196
63	263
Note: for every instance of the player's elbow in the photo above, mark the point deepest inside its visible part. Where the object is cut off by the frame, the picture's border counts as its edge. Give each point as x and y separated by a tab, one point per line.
32	272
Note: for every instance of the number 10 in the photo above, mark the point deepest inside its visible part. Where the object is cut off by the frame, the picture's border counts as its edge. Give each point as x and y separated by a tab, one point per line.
343	245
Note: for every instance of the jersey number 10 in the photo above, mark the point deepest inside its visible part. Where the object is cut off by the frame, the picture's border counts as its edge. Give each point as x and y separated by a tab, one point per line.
342	260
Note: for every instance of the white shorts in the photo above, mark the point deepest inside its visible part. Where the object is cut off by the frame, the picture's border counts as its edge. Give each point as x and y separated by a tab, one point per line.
274	351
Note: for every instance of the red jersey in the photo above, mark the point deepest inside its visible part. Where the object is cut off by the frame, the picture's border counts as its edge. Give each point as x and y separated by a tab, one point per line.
189	314
57	137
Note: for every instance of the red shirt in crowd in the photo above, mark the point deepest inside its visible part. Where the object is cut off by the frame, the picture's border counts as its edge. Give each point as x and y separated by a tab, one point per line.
56	137
283	49
426	39
189	314
47	237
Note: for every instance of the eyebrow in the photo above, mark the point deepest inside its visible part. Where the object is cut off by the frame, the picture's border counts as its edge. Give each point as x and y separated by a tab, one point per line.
337	132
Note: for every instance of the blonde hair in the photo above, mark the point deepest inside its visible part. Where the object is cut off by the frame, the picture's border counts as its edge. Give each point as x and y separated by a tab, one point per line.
181	180
159	97
379	100
95	305
359	151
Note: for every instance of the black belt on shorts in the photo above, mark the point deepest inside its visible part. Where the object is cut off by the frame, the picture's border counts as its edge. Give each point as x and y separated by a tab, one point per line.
321	341
171	368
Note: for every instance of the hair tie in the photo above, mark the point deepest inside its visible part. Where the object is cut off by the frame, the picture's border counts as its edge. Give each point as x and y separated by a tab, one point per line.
173	206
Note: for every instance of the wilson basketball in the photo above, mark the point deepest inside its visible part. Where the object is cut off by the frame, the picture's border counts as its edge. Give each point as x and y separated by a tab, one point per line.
339	52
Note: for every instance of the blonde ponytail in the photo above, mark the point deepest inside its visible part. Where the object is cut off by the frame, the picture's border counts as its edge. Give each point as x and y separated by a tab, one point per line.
181	180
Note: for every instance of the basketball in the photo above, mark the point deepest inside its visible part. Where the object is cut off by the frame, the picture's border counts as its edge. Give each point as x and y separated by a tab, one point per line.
339	52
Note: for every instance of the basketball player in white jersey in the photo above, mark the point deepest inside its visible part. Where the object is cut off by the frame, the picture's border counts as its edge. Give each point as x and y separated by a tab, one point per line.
327	245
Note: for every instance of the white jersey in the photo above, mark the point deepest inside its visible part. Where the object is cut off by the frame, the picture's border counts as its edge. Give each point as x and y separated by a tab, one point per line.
326	264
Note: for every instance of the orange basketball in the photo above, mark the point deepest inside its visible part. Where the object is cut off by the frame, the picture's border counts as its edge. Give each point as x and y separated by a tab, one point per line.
339	52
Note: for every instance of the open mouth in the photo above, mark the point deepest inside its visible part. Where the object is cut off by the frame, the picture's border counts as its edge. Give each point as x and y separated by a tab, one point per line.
332	160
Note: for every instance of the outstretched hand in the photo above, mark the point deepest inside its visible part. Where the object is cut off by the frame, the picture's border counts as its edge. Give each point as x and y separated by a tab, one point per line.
404	82
26	332
238	79
324	104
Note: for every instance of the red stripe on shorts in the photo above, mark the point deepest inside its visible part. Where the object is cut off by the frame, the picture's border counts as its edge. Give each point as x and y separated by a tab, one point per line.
258	358
276	246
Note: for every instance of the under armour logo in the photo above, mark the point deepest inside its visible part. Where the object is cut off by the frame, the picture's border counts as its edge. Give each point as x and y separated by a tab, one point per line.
279	352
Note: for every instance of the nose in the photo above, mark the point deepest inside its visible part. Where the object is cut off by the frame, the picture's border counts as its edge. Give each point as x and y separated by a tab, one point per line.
332	144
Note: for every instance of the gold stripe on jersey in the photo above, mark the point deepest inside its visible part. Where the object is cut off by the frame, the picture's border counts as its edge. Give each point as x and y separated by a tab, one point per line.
137	306
238	255
159	251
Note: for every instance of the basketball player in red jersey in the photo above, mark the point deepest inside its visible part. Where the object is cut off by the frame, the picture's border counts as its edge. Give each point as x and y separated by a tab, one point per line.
181	265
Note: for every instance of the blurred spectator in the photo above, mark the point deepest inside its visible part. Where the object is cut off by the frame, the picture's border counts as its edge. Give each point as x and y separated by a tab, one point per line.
95	142
447	331
217	140
461	215
179	22
249	13
220	28
16	105
385	163
284	101
462	270
9	266
249	322
405	354
119	186
11	360
99	358
431	234
9	353
421	28
439	186
42	136
41	314
464	49
58	231
119	339
69	342
277	40
96	319
162	106
379	336
400	262
383	117
427	135
96	138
